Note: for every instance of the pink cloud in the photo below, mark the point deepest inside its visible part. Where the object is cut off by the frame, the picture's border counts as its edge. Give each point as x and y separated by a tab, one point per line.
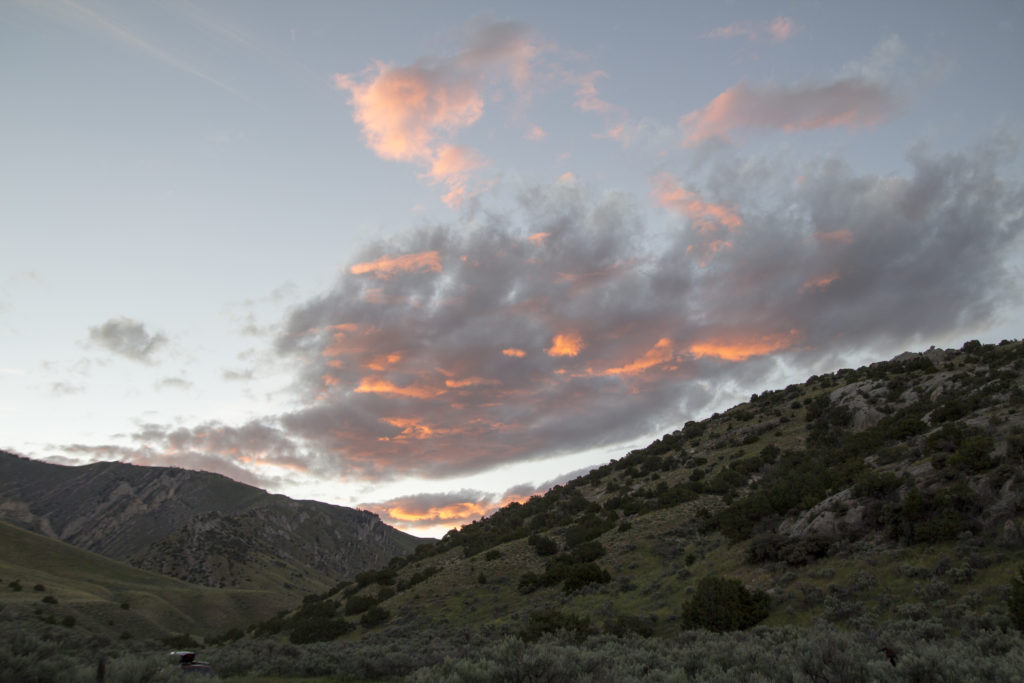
412	113
535	133
706	216
586	93
850	102
779	29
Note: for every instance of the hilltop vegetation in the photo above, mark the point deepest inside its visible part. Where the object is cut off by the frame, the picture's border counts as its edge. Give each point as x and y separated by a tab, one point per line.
890	494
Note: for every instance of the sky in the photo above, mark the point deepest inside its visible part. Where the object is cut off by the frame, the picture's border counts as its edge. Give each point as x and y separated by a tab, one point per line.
428	258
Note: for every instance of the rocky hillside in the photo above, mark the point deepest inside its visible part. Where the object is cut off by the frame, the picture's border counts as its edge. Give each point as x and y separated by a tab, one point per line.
196	526
894	491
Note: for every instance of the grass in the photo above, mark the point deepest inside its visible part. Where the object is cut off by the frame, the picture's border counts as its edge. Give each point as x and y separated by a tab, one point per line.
93	589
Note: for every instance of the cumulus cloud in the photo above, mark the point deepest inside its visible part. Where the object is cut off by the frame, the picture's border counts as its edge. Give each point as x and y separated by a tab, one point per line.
513	346
128	338
412	113
852	102
563	325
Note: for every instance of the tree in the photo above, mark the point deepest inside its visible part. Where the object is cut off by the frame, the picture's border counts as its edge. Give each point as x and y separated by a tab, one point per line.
721	604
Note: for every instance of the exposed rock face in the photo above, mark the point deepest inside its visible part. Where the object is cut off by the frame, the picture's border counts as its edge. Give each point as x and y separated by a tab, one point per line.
196	526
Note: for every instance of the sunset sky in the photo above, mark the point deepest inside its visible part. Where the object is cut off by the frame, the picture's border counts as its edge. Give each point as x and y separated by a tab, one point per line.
425	258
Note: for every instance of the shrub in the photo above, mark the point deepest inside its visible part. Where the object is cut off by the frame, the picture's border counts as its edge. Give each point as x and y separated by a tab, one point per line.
357	604
721	604
544	545
375	616
544	621
1015	601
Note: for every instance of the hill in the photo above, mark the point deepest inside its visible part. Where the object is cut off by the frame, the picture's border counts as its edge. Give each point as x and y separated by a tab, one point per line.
860	499
196	526
45	581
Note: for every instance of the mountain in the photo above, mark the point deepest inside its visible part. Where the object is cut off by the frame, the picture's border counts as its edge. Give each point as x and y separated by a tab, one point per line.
196	526
892	493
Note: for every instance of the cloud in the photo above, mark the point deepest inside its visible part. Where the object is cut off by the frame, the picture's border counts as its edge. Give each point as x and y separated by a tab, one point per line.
412	113
535	133
586	93
441	371
128	338
518	348
778	30
436	512
173	383
65	388
851	102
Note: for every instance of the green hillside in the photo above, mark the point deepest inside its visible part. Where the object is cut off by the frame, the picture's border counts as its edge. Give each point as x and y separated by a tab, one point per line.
862	501
59	582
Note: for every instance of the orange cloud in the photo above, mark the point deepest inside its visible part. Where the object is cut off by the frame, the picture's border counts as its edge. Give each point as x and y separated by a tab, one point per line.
378	385
340	342
403	110
819	283
413	428
452	512
740	349
452	166
569	344
850	102
535	133
539	237
470	382
381	363
661	353
514	353
386	266
410	113
705	215
835	236
704	252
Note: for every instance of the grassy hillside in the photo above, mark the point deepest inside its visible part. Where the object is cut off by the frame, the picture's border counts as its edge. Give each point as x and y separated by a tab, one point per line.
889	494
59	583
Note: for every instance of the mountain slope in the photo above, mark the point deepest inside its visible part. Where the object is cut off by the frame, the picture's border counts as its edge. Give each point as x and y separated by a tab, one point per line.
45	580
888	492
196	526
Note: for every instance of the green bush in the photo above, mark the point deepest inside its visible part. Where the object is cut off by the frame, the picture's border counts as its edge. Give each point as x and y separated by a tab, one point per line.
357	604
722	604
373	617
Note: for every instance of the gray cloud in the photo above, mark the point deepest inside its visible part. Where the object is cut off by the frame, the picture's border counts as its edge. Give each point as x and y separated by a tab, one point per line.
563	325
128	338
439	354
173	383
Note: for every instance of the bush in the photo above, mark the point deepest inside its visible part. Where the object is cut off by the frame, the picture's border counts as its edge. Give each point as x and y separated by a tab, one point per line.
551	621
357	604
375	616
1015	601
544	545
722	604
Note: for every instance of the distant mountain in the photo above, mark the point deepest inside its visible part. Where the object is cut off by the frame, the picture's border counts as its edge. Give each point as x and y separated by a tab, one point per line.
196	526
